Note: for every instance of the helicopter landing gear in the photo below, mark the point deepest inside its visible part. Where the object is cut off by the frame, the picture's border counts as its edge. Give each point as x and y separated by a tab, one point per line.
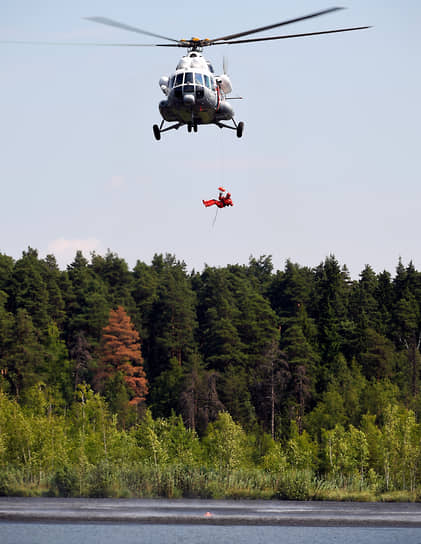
240	128
157	130
192	125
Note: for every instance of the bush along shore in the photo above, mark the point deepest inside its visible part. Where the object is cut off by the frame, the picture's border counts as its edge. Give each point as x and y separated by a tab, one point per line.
84	453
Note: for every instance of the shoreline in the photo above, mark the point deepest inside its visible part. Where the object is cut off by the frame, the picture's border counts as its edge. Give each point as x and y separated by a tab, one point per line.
208	512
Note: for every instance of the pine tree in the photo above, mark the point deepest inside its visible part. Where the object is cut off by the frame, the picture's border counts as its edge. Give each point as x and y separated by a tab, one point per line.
87	305
7	323
378	356
6	272
80	353
25	355
218	314
260	272
29	290
55	368
114	272
408	328
385	298
52	278
173	316
121	352
330	308
302	363
271	377
290	290
144	293
200	403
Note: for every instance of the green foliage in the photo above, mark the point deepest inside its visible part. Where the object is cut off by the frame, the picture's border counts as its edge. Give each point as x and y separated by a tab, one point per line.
274	459
56	369
24	357
346	453
225	443
64	481
232	356
167	390
29	289
173	316
301	450
295	485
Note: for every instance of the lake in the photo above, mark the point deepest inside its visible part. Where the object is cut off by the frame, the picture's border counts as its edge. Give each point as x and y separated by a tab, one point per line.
77	533
118	521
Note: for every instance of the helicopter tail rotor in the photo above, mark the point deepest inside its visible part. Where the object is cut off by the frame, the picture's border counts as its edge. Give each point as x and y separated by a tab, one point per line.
225	65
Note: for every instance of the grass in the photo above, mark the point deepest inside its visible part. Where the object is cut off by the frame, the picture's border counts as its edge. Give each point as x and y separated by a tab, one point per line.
192	482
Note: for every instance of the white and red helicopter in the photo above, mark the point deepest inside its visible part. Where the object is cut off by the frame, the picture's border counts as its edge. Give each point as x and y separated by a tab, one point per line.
194	94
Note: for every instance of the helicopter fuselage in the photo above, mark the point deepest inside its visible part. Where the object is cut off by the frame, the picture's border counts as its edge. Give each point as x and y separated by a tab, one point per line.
194	94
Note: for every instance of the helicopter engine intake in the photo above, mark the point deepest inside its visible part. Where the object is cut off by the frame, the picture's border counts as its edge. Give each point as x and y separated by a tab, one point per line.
163	83
224	83
225	112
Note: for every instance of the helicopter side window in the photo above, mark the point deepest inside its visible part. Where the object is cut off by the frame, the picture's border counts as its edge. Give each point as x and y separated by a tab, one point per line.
213	84
188	77
207	81
198	78
179	79
210	67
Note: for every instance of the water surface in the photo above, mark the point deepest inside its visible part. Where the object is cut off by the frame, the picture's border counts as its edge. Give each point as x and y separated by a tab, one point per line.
69	533
161	521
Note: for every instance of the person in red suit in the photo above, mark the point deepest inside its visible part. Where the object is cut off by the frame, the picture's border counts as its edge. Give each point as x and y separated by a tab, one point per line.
223	200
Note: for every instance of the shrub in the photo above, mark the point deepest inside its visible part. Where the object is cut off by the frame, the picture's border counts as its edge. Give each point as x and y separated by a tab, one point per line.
64	482
295	485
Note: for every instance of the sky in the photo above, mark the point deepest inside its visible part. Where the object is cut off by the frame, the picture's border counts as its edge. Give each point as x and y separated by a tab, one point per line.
329	162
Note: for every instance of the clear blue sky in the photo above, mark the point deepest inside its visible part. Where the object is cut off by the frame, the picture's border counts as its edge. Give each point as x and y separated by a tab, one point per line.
329	161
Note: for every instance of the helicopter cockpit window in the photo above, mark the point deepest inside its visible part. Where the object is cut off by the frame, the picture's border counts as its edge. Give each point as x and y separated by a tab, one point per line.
179	79
198	78
210	67
213	84
171	84
188	77
207	81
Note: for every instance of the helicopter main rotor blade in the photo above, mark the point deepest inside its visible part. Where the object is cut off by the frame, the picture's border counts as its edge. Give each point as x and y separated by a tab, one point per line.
294	35
111	22
91	44
269	27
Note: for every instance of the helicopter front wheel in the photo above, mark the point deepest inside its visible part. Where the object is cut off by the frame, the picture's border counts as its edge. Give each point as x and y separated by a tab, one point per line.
240	128
156	132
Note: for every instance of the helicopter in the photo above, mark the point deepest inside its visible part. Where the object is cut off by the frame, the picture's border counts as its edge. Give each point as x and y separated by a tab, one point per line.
194	94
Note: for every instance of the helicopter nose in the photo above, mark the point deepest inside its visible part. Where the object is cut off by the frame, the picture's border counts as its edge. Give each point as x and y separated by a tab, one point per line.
189	99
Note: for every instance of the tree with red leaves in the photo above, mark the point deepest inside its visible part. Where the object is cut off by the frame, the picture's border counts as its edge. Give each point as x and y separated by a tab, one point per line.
121	352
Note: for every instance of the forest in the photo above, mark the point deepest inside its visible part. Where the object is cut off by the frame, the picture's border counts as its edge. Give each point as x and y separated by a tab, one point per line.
236	381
